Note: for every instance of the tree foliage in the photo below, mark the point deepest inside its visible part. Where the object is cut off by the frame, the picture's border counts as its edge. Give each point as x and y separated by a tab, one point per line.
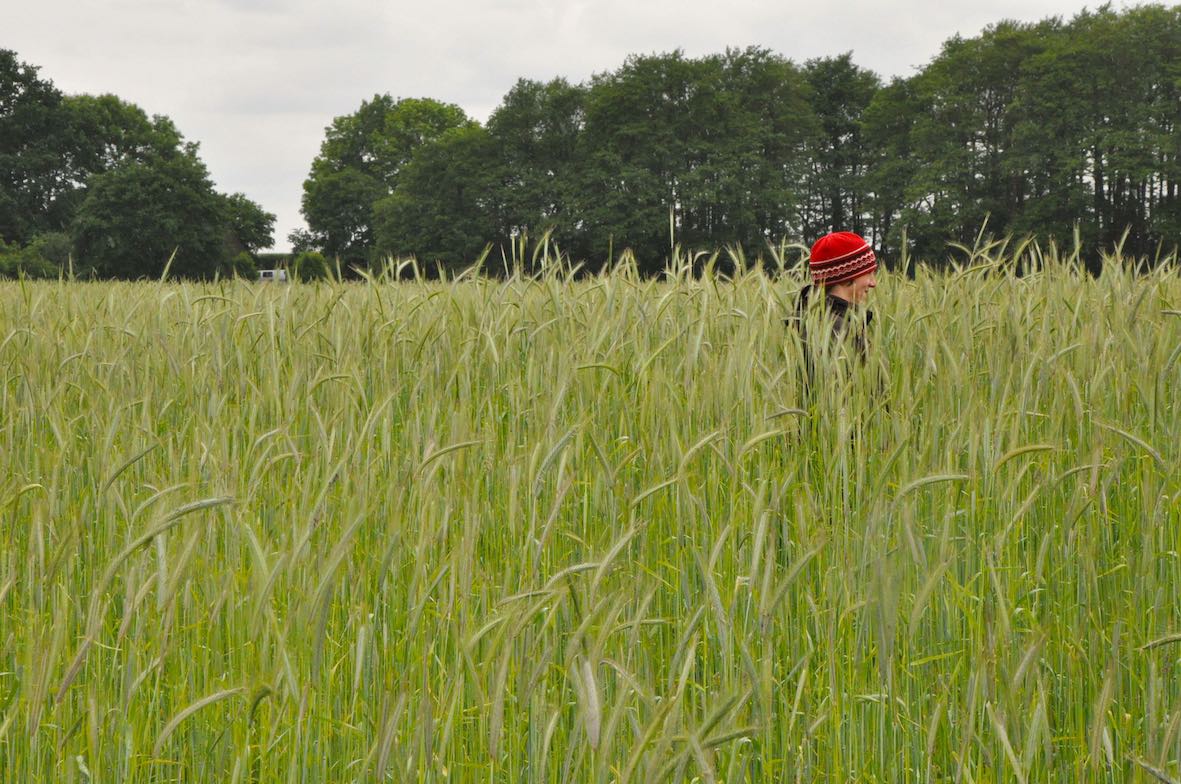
31	138
444	205
140	214
126	187
536	133
44	257
359	164
1043	128
836	183
248	223
692	152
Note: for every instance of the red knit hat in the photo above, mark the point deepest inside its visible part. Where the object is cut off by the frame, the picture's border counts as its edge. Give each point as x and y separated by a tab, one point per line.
840	257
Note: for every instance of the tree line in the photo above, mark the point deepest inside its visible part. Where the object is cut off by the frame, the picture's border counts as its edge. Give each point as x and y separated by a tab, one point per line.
1061	130
93	181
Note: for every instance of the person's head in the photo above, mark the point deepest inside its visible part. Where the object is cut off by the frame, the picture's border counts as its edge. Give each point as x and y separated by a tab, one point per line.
844	264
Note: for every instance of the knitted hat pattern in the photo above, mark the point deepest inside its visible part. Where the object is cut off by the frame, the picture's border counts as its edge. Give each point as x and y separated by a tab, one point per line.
840	257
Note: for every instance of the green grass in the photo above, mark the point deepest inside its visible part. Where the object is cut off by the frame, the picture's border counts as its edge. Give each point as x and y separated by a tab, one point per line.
553	530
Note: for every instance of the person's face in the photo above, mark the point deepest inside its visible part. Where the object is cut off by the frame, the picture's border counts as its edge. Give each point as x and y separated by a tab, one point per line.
859	287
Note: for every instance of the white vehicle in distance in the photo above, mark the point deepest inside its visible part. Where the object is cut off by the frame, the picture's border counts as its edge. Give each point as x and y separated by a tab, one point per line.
272	276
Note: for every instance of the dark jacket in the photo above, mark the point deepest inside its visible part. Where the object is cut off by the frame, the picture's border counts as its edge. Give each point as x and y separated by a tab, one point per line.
847	324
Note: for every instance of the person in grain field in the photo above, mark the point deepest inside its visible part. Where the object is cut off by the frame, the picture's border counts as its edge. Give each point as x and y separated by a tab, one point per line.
843	269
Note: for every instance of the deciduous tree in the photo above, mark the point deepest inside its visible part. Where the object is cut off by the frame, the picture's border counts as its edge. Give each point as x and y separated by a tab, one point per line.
360	161
445	207
137	215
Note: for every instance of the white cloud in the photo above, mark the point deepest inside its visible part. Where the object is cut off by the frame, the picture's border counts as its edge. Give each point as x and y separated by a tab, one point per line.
256	81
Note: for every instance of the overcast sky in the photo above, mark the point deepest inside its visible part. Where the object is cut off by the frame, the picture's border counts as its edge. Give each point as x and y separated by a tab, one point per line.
256	81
